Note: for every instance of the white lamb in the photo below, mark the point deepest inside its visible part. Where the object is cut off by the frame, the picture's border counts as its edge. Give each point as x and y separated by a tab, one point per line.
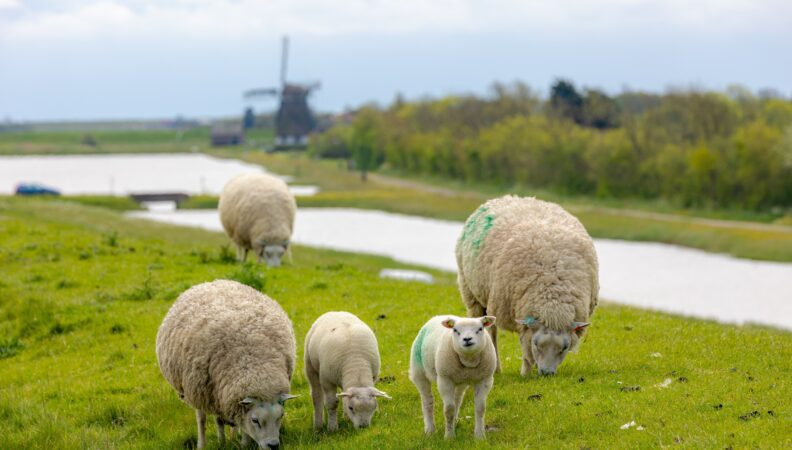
455	353
533	265
257	211
341	351
229	350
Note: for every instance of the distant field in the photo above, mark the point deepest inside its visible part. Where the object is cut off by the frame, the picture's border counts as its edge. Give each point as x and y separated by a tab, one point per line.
109	141
83	290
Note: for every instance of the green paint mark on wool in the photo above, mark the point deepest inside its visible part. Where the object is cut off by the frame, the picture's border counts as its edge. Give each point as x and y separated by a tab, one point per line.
417	347
489	220
477	227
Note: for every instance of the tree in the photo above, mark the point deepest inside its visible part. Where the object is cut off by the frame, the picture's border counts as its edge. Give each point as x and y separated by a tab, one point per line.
600	111
365	140
566	102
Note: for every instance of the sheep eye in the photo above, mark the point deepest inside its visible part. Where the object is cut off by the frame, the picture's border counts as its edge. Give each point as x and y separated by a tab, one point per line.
256	421
455	331
351	409
479	330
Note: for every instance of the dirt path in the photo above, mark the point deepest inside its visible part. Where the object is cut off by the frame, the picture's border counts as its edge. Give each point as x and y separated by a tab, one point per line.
415	185
639	214
720	223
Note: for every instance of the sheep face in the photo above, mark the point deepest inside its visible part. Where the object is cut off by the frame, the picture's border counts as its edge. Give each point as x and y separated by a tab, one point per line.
469	336
550	347
271	253
262	421
360	403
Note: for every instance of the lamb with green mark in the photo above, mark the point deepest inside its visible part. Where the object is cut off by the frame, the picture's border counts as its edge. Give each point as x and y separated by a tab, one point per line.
454	353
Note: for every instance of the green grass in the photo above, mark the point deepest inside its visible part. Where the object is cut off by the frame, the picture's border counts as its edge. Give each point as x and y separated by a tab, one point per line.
83	290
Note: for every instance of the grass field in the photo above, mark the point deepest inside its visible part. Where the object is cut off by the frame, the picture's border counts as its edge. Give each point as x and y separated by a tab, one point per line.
83	290
111	141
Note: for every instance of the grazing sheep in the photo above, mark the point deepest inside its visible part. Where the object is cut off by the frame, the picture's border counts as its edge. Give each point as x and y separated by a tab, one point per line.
533	265
341	351
229	350
454	352
257	212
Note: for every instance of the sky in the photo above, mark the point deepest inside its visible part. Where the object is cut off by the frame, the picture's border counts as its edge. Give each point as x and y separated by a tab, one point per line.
113	59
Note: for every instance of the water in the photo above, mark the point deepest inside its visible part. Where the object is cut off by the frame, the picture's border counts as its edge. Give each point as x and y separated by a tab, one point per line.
120	175
648	275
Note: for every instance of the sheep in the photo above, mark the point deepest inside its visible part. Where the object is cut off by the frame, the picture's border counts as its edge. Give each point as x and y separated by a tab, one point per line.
229	350
453	352
533	265
257	212
341	351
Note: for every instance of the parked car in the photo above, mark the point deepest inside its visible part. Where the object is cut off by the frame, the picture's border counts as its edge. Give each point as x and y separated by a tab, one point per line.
35	189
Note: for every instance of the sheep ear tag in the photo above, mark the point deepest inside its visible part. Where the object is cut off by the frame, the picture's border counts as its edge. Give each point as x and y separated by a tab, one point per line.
529	321
448	323
577	326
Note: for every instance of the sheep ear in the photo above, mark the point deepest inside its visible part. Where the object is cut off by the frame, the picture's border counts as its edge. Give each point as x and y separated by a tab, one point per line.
343	394
378	393
529	321
247	401
577	326
449	323
283	397
488	321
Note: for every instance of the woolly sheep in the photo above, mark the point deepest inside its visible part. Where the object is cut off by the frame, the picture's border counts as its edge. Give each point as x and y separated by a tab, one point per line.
341	351
229	350
453	352
533	265
257	211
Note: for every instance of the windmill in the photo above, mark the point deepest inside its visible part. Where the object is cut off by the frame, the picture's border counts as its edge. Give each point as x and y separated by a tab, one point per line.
294	119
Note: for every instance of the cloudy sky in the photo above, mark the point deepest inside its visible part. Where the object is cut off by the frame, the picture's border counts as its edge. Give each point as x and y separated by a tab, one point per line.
92	59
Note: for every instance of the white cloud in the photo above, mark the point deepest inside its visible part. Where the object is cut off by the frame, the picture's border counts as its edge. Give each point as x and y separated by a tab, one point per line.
227	19
8	4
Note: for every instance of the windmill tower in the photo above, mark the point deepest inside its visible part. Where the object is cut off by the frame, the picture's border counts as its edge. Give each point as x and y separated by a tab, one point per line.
294	120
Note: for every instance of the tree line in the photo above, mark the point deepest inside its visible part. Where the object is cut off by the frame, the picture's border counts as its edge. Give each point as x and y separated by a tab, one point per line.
698	148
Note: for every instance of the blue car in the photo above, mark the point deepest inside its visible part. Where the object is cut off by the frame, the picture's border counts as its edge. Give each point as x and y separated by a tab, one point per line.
35	189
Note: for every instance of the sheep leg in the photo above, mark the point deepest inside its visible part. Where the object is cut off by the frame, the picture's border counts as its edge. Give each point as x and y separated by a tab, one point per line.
527	353
241	253
459	394
480	392
493	330
220	430
317	395
200	417
447	392
331	403
427	401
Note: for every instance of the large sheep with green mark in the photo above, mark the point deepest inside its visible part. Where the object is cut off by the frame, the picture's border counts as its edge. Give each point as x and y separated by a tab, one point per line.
532	265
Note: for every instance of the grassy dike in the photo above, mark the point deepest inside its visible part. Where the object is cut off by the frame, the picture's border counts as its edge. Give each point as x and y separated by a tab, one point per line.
83	290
